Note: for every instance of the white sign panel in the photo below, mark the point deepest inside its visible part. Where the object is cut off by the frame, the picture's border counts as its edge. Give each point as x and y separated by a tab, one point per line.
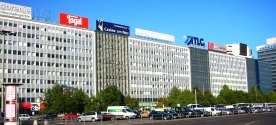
10	112
8	9
10	93
156	35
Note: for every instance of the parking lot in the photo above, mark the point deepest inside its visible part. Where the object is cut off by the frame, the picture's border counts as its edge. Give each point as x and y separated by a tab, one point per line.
240	119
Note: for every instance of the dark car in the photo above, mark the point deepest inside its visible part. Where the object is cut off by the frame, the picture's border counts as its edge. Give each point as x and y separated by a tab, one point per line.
187	112
50	116
174	114
203	113
159	115
138	115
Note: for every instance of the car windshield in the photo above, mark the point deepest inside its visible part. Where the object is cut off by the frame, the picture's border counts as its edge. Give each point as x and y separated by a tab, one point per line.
129	110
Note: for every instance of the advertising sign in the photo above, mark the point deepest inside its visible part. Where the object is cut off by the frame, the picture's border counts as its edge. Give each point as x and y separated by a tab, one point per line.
10	93
195	41
112	27
8	9
215	47
156	35
72	20
10	112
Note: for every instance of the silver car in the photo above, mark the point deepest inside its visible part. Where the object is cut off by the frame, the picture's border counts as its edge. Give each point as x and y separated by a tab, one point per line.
23	117
90	116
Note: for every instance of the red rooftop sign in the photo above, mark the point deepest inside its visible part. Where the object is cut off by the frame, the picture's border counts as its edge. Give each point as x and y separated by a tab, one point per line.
72	20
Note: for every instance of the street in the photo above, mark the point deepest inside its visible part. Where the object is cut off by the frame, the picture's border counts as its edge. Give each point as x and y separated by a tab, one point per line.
267	118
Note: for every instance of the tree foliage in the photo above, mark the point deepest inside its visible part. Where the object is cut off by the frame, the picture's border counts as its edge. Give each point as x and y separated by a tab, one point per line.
132	103
111	96
62	100
173	97
161	102
186	97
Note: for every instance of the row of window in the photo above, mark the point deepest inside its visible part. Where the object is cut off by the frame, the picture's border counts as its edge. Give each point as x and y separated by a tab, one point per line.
40	28
48	73
49	64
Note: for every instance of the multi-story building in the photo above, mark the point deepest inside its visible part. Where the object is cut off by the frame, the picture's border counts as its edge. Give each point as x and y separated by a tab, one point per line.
199	62
239	50
112	61
266	53
42	54
251	72
156	67
264	76
228	70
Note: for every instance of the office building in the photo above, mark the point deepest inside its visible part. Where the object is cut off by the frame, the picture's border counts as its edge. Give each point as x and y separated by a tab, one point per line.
266	53
199	61
42	54
264	76
227	70
239	50
156	67
112	61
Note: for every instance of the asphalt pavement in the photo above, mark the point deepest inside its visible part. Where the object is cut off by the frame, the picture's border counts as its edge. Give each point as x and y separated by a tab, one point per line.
267	118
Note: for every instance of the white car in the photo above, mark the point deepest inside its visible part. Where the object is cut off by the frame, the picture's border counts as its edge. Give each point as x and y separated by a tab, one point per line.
90	116
23	117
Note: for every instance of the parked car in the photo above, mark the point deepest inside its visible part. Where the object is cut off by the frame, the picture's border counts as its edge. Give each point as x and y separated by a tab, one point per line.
70	116
138	115
23	117
145	114
108	116
256	110
90	116
187	112
174	114
159	115
50	116
121	110
203	113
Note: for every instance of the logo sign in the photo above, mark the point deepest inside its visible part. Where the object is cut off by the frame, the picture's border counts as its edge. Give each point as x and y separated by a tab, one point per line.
155	35
112	27
215	47
73	20
8	9
195	41
10	93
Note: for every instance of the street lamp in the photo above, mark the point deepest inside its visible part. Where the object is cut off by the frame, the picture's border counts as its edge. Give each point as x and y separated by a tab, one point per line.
3	33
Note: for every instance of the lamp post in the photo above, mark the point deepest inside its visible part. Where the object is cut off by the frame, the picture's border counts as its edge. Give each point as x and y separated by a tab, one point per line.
3	33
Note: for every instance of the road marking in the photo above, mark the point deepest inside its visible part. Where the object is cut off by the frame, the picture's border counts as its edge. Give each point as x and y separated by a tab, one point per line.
250	123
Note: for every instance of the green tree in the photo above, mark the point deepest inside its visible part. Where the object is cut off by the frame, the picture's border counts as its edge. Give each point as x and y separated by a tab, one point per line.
53	100
271	97
132	103
255	95
161	102
199	95
111	96
209	98
79	100
93	104
186	97
173	97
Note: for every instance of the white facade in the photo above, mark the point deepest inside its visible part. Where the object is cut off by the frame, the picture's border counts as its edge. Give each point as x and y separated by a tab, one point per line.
42	54
227	70
234	49
156	67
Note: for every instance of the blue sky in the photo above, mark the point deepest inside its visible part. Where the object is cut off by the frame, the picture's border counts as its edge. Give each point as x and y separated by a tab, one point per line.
219	21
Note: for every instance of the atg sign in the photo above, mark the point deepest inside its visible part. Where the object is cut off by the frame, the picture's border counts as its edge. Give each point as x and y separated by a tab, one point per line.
195	41
112	27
